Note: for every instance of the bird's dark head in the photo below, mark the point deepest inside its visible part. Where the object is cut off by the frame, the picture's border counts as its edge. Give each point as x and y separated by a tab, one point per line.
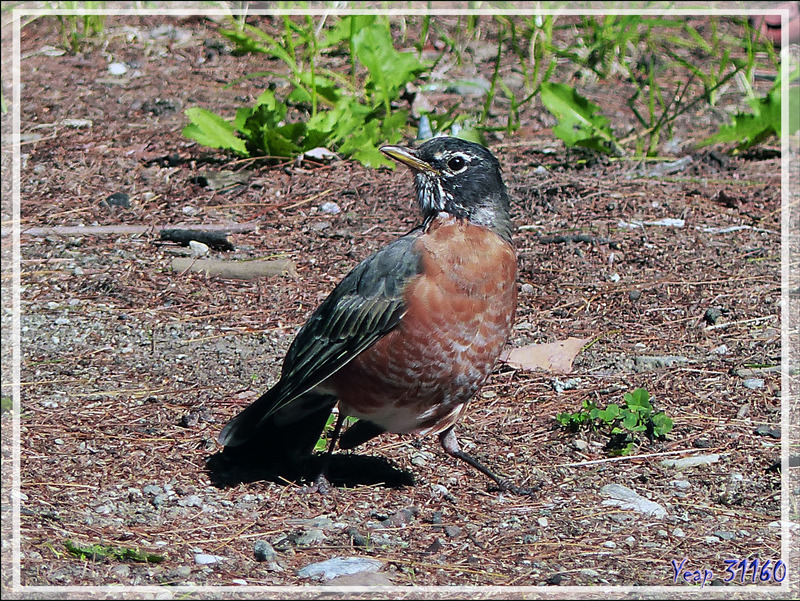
459	177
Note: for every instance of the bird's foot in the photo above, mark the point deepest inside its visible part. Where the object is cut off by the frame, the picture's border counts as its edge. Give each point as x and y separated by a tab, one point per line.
320	485
450	445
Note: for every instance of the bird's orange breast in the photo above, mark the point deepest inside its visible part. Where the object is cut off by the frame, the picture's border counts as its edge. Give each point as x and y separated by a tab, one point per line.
461	308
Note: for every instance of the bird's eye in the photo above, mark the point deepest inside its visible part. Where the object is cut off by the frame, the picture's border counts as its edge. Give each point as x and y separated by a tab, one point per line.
457	163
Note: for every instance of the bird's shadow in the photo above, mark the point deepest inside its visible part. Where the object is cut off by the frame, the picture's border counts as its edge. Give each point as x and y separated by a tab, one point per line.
344	469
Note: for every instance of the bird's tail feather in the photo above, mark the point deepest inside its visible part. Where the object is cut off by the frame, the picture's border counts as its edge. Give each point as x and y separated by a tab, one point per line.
286	435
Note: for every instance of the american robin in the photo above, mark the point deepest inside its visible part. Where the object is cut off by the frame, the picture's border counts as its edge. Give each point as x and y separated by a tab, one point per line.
412	332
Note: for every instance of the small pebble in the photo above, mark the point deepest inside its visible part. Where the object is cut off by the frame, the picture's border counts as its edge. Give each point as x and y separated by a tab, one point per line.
121	571
118	199
339	566
765	430
191	501
358	539
204	559
753	383
263	551
401	518
199	249
418	459
610	544
117	69
580	445
678	533
330	208
555	579
452	531
311	537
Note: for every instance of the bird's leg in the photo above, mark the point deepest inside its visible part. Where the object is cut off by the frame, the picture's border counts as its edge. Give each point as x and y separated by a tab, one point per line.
451	447
321	483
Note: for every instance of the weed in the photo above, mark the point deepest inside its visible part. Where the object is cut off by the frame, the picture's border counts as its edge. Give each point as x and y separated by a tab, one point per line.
639	49
621	422
348	114
322	443
749	129
579	121
77	29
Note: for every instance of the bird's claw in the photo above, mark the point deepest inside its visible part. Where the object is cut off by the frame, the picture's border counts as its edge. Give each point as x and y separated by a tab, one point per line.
321	485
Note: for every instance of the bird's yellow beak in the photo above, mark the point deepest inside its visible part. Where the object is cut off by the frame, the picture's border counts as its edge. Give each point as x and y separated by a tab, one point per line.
408	157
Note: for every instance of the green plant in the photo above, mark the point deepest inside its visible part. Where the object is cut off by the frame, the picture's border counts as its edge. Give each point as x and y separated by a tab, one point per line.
579	121
322	443
644	51
749	129
350	115
76	29
621	422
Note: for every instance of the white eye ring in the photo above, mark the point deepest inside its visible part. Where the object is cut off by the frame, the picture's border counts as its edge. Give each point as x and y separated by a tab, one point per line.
457	163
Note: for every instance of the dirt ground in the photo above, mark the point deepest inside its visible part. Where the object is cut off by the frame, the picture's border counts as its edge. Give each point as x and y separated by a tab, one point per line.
129	368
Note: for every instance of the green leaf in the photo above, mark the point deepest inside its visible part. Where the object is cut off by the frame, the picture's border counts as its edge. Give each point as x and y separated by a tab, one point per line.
392	127
388	69
609	414
370	156
579	120
252	40
281	141
630	420
749	129
638	400
344	28
661	424
213	131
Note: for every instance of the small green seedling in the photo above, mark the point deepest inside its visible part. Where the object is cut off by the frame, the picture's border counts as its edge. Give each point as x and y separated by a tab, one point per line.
322	443
622	422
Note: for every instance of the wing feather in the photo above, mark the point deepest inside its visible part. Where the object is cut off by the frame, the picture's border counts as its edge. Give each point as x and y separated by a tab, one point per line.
366	305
